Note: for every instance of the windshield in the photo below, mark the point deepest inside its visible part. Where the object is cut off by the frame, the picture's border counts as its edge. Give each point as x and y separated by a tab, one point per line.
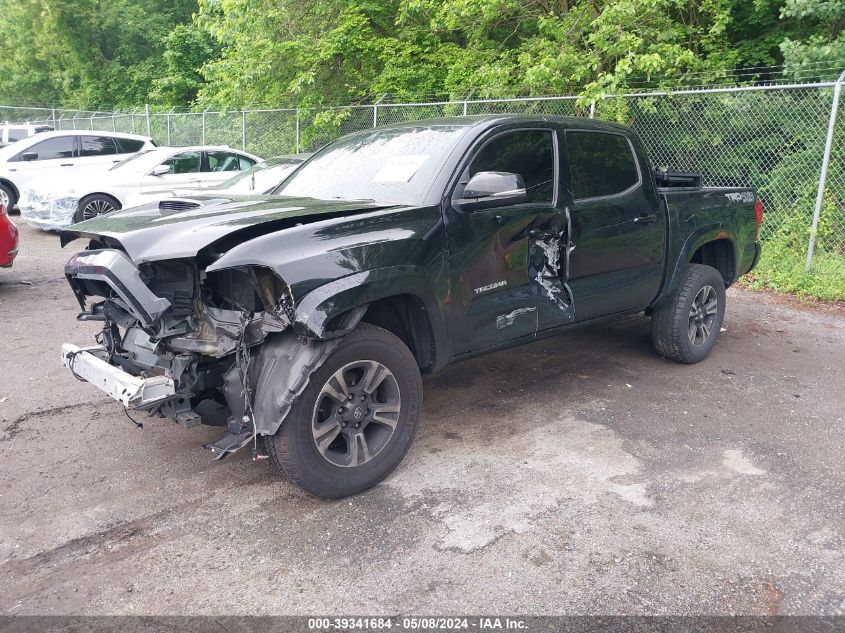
394	165
262	166
130	158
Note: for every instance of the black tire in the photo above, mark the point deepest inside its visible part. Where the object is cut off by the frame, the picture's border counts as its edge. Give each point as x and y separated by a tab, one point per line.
681	328
8	193
94	205
293	450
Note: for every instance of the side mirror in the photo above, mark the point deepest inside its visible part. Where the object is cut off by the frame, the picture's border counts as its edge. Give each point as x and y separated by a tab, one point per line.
29	156
493	189
160	170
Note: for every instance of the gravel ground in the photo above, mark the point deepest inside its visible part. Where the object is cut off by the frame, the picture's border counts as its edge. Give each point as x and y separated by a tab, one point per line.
581	474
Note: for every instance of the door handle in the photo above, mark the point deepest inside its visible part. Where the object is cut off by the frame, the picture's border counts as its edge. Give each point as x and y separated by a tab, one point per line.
645	219
66	165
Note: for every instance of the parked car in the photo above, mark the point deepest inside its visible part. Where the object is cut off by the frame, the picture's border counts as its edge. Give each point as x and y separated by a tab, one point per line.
259	178
52	155
306	318
55	203
13	132
8	239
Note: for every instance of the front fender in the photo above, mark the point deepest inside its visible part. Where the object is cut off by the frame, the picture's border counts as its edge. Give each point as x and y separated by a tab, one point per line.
316	310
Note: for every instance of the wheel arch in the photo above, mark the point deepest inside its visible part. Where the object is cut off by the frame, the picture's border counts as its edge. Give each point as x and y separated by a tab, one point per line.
707	244
398	299
105	194
719	253
11	185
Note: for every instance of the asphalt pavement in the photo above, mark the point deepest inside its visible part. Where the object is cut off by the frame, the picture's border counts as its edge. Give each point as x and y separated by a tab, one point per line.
580	474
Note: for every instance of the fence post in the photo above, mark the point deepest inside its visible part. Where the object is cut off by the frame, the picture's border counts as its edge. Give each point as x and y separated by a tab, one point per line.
147	117
203	126
297	130
828	144
593	110
375	110
54	118
466	100
75	114
133	120
168	125
113	122
243	130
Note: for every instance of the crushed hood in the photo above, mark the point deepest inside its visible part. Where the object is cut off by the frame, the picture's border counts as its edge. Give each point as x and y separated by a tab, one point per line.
160	231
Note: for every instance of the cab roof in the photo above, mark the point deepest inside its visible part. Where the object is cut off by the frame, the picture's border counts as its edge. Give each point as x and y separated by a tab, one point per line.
488	120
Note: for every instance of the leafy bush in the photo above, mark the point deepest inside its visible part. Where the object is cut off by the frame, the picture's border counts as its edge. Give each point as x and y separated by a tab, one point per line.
781	266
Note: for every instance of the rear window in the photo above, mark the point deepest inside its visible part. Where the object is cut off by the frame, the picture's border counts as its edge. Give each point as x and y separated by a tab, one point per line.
129	145
600	164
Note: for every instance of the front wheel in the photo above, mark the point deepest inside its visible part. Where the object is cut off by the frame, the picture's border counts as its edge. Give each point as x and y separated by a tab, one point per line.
94	205
355	420
7	197
686	326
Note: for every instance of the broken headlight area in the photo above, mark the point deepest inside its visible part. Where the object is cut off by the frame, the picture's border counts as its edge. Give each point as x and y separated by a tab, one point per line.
47	211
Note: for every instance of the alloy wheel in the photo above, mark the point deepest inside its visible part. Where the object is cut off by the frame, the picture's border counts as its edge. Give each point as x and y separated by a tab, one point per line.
702	314
356	413
96	207
4	200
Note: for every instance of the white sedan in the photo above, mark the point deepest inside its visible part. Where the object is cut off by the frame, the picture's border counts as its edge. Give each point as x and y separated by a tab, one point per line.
258	179
57	203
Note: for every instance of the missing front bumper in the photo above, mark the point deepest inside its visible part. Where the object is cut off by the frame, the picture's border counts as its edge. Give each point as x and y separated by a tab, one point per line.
131	391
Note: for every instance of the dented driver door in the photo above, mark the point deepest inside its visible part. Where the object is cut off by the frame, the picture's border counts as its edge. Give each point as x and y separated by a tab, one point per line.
506	280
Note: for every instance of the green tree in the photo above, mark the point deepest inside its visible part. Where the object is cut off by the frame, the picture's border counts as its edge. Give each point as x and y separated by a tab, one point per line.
187	50
86	53
818	38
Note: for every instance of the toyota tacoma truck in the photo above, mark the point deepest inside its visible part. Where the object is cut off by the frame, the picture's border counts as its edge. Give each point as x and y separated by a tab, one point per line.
300	322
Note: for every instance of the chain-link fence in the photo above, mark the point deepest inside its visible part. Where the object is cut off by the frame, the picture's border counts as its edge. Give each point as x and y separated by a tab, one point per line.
770	137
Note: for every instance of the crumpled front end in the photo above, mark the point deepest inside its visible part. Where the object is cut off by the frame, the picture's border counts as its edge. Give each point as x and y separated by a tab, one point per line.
188	333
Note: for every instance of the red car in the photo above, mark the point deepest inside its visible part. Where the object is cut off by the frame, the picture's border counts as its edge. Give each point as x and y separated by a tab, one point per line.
8	239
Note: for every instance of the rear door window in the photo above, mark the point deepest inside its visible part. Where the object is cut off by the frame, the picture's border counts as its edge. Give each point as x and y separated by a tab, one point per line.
185	163
97	146
225	161
52	148
600	164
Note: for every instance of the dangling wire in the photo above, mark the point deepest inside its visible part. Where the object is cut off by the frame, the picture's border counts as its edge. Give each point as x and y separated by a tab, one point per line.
242	361
140	425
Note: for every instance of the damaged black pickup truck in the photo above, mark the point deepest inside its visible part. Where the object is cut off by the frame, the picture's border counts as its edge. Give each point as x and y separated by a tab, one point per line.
301	322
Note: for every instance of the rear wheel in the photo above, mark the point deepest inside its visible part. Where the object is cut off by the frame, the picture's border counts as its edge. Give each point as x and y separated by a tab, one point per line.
92	206
686	327
355	420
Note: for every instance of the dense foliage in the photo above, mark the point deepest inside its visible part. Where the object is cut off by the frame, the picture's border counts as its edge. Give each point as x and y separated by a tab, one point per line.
231	53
